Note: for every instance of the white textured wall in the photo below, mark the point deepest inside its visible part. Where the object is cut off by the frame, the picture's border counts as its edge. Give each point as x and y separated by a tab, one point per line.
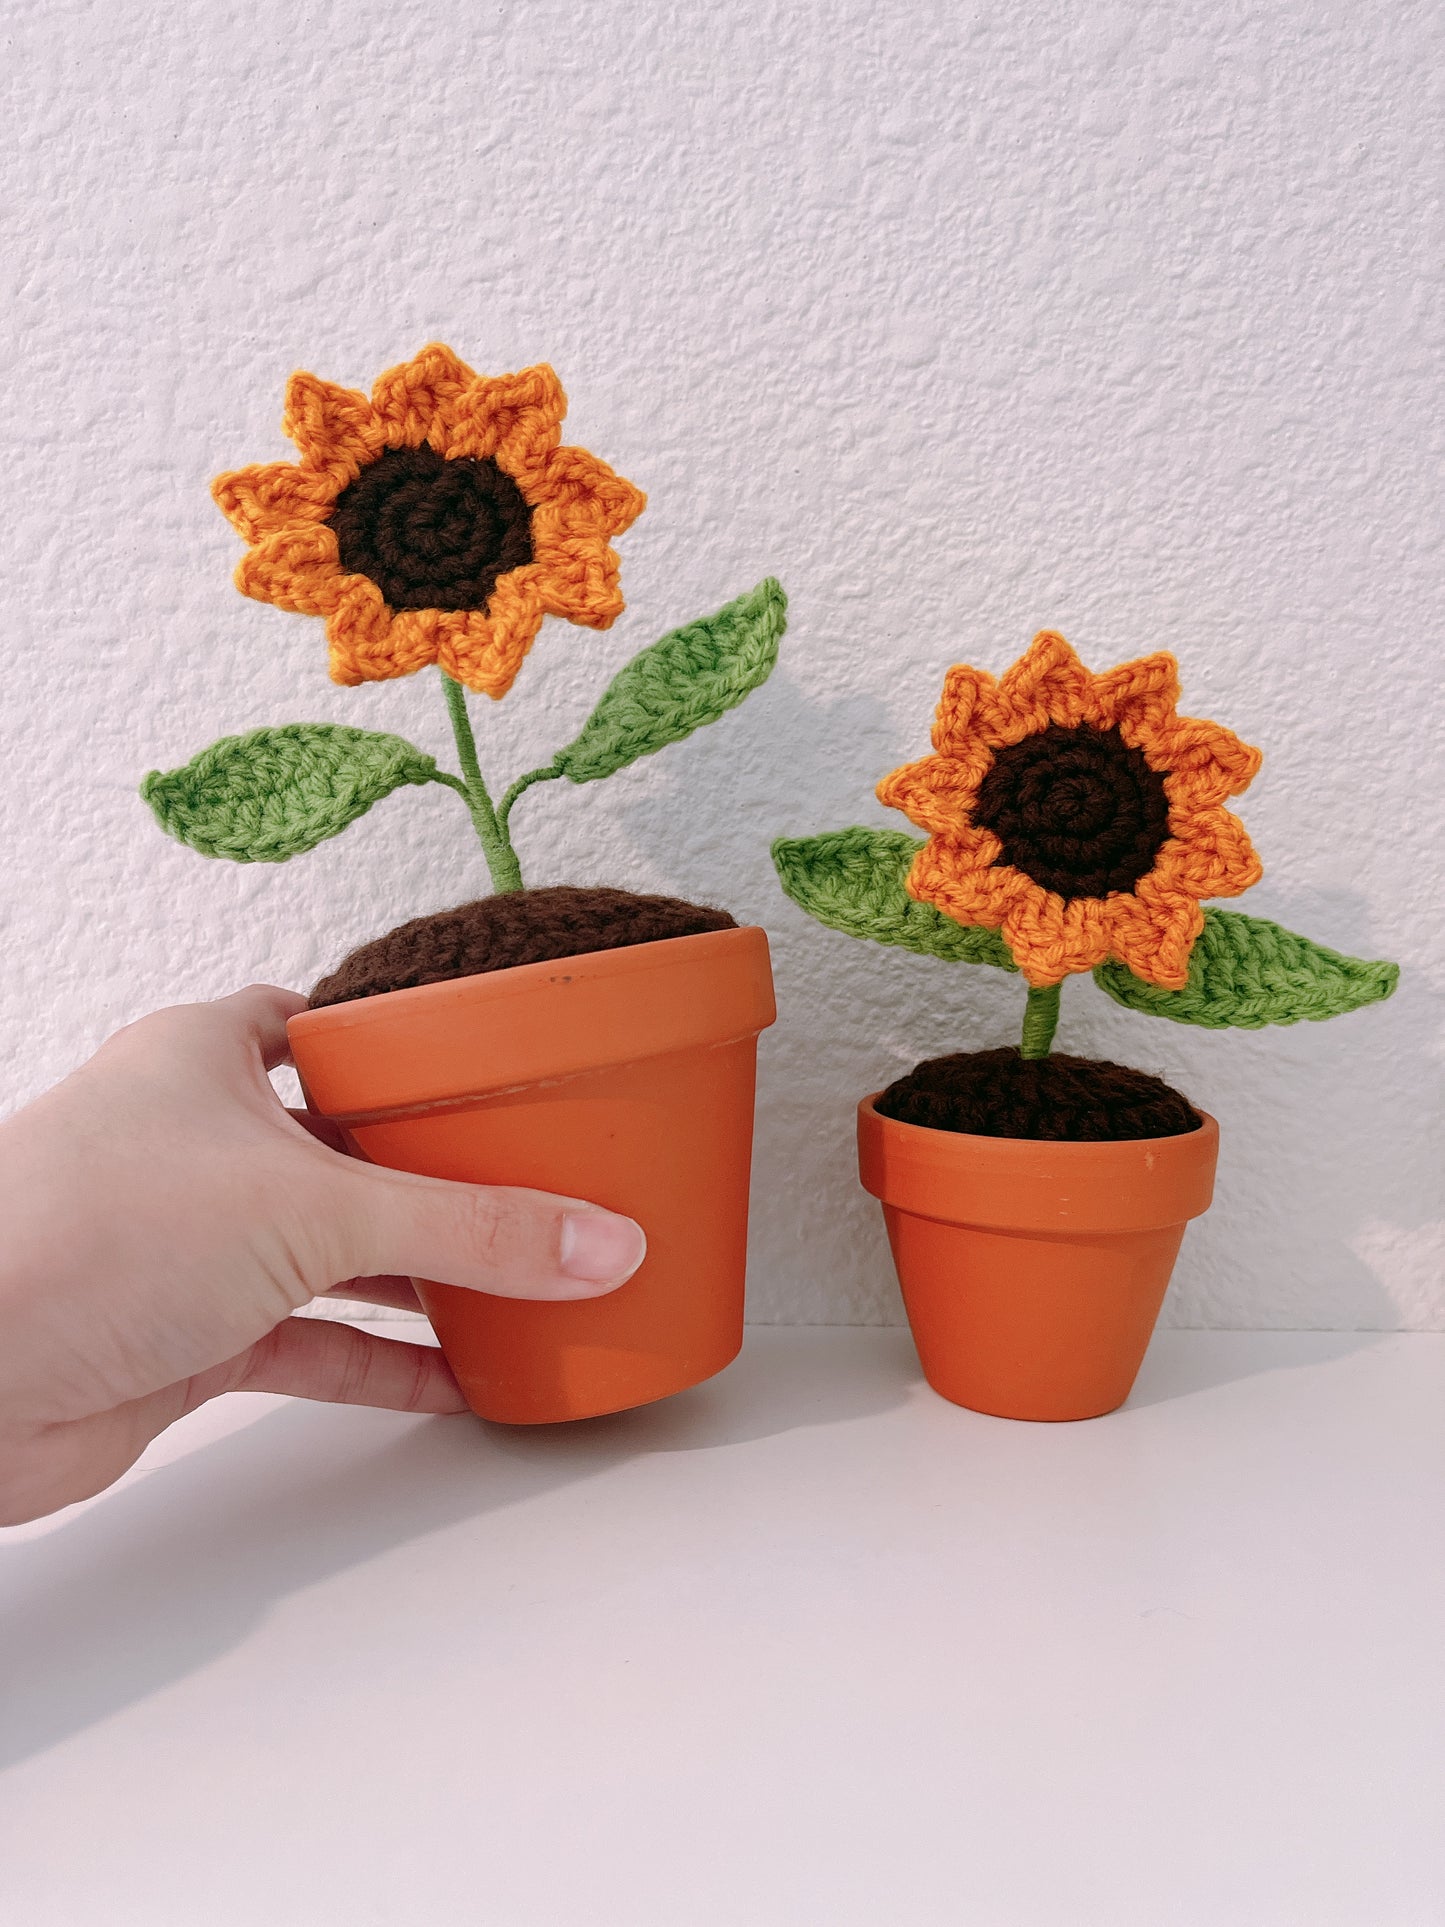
961	319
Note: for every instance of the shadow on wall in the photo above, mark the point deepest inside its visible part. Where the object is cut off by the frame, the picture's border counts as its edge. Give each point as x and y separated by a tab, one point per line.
851	1016
165	1576
785	764
1330	1149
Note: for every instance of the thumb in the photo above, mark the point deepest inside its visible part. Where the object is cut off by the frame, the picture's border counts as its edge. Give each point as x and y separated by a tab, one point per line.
513	1242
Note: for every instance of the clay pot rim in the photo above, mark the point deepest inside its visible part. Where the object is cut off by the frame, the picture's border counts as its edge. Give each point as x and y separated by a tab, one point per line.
374	1056
417	996
1056	1187
1064	1144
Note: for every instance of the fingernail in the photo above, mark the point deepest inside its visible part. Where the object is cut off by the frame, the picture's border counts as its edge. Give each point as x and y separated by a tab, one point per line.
601	1248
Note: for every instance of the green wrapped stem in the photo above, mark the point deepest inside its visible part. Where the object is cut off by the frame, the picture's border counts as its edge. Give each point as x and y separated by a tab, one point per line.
506	872
519	788
1041	1020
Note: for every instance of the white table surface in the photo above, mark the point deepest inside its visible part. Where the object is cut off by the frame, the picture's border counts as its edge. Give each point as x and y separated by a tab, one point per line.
804	1647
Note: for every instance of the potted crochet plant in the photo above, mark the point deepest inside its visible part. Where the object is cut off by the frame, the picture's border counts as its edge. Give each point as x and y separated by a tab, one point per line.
586	1041
1036	1202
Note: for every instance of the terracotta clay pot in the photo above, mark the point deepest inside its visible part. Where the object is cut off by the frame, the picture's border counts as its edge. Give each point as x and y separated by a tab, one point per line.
1033	1272
624	1077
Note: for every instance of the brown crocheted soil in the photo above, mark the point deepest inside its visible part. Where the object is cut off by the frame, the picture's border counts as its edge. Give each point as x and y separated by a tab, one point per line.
997	1093
520	927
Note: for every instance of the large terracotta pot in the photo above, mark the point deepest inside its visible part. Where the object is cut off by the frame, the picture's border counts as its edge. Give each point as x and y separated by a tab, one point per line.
624	1077
1033	1272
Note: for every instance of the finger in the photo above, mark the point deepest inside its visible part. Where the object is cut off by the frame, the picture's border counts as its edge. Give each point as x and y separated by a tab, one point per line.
341	1365
515	1243
263	1010
399	1294
301	1357
76	1459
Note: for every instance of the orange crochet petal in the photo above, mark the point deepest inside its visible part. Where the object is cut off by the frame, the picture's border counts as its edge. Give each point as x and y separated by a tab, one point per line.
1048	684
415	401
1208	854
937	793
1135	697
371	643
957	872
270	496
1051	939
580	580
967	713
336	429
296	568
1205	761
1154	936
485	650
578	494
515	420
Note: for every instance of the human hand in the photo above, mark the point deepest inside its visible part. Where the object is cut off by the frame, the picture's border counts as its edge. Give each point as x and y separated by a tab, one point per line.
164	1214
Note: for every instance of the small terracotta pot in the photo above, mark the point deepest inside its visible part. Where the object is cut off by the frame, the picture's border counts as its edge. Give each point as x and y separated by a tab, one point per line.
1033	1272
624	1077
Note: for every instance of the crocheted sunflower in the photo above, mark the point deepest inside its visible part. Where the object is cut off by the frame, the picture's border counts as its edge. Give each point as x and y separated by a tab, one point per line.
1078	813
439	521
1076	822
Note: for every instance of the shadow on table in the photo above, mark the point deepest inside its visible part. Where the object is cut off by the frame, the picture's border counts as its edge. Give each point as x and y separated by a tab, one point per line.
1180	1363
170	1573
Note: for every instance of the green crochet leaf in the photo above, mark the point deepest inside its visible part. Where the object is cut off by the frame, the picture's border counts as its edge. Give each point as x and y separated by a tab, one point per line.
853	880
1245	973
691	677
272	793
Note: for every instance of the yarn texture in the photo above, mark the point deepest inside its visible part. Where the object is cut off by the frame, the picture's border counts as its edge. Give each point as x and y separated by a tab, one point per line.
518	927
439	520
998	1093
432	533
855	880
1246	972
1075	823
687	679
1078	814
1077	809
272	793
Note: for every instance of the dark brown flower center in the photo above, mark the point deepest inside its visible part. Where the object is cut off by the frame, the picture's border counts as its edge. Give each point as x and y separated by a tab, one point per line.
432	532
1077	810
